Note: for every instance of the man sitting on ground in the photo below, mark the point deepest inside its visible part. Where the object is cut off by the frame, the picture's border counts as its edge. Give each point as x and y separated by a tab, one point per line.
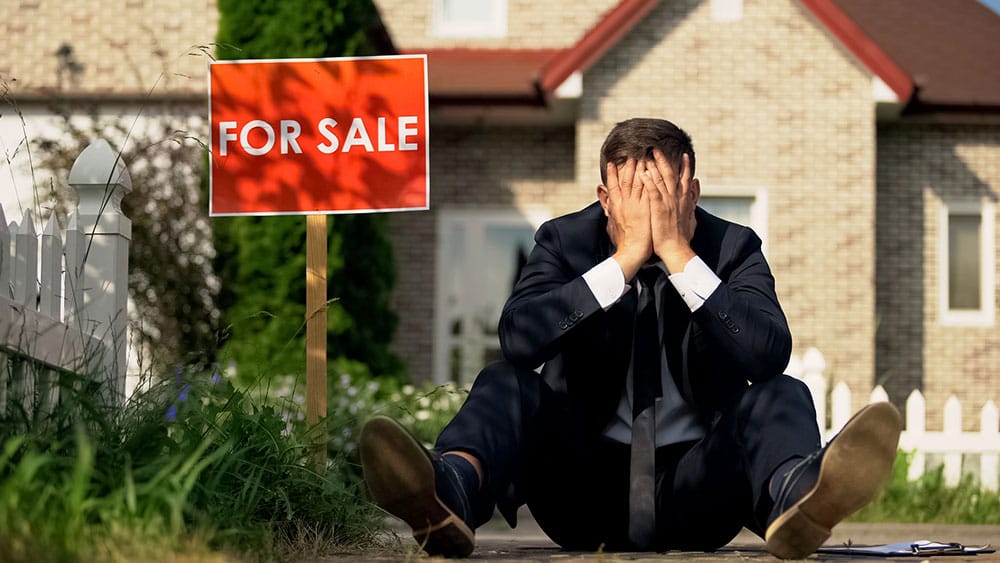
650	316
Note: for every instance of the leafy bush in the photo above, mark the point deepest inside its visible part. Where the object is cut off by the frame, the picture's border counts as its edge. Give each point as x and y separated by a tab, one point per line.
353	398
929	499
424	410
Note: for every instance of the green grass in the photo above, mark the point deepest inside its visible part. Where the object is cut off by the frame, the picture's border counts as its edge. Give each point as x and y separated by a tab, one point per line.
928	499
191	466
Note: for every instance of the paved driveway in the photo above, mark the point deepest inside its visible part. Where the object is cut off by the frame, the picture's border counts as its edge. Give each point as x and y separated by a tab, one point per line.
496	542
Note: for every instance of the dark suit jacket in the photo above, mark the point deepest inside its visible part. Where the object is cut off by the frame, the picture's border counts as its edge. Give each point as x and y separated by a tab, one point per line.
739	334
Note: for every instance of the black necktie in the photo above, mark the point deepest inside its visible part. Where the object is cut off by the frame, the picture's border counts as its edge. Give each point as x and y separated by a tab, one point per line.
646	388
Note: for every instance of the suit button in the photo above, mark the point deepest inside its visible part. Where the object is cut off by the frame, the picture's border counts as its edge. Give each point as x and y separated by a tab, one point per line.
577	315
723	315
563	325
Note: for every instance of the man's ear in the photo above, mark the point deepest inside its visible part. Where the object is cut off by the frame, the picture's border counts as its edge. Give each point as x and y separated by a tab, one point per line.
696	190
602	196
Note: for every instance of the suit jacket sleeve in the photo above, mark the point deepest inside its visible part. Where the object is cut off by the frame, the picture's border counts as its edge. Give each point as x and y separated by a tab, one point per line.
740	331
549	301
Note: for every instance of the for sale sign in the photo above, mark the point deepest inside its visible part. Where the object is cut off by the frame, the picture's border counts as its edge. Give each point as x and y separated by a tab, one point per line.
298	136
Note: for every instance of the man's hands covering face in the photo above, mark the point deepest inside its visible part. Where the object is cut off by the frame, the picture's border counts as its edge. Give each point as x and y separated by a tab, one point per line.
651	211
629	222
672	199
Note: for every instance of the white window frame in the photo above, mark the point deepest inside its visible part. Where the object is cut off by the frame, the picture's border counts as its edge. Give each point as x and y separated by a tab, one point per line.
985	316
758	209
727	10
468	218
496	26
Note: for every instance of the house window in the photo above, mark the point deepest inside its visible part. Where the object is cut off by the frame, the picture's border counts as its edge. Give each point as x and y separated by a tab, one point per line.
470	18
480	254
740	205
727	10
966	271
731	208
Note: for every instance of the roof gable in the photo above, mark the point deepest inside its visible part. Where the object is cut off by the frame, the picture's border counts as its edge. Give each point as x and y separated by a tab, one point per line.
529	77
933	55
863	47
592	46
950	51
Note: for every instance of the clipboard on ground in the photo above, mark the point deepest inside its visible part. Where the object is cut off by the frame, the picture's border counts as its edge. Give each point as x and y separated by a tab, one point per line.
916	548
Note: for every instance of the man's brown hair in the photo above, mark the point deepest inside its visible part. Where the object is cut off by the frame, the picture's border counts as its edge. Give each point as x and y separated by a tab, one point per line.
637	137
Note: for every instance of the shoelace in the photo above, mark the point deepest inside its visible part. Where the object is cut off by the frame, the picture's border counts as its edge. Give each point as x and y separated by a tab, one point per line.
792	476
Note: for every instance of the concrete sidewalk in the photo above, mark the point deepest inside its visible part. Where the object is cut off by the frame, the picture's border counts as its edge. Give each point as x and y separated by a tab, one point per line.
527	543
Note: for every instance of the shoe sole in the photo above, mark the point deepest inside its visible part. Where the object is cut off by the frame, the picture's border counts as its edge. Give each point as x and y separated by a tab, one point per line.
400	477
854	469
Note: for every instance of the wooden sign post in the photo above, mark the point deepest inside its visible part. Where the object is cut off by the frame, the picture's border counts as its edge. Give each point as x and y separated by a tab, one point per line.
315	137
316	331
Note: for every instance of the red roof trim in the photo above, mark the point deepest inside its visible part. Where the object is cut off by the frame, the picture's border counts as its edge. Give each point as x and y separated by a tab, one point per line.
467	76
499	52
618	21
870	54
592	46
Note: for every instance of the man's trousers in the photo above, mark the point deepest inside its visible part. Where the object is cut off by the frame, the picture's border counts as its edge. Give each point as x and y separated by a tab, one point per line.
532	447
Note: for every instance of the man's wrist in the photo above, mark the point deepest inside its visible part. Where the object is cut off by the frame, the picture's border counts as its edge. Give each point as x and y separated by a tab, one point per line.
629	262
675	257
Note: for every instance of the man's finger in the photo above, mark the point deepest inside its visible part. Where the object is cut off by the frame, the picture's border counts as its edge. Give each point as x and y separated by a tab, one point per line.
685	183
612	173
667	171
653	172
640	171
626	176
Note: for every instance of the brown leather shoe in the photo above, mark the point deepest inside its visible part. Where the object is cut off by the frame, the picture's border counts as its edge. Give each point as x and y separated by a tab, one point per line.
417	486
834	482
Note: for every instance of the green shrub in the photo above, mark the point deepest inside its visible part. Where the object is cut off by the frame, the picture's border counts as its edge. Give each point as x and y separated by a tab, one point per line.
353	398
424	410
929	499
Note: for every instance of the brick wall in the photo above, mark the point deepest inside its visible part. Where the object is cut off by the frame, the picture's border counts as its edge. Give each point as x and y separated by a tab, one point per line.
531	24
771	101
122	45
919	166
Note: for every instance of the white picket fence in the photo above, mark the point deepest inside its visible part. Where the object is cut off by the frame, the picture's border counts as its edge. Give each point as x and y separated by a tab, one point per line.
63	294
950	443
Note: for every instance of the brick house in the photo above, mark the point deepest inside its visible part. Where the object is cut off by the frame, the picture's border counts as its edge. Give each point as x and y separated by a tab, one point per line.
115	56
860	139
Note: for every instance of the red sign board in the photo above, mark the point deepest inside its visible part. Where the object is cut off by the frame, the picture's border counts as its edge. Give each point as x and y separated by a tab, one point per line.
312	136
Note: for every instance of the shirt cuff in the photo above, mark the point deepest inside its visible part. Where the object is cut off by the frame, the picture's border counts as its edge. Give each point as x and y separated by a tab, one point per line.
696	283
607	282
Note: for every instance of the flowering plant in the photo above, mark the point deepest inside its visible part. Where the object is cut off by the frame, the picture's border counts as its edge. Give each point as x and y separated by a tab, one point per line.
424	410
